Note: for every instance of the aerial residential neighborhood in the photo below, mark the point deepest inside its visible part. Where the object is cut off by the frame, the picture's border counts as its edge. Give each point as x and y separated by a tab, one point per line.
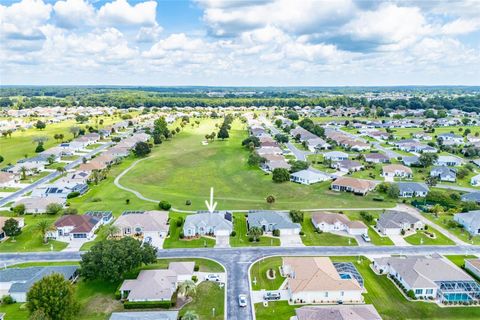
239	160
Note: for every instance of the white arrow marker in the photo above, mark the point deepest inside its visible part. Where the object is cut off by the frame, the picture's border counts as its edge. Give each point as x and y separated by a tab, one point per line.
211	206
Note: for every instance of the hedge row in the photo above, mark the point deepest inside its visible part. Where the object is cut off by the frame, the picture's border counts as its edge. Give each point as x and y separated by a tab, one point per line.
147	304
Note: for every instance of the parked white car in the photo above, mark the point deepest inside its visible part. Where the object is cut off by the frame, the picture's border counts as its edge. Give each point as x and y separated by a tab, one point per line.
242	300
366	237
212	277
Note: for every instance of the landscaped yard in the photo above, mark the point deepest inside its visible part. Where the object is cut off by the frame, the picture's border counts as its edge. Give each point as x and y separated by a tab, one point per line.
169	172
313	238
258	274
444	220
209	296
174	241
30	239
421	238
387	299
241	237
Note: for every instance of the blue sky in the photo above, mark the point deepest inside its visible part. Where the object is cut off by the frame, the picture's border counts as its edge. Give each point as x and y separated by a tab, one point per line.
240	42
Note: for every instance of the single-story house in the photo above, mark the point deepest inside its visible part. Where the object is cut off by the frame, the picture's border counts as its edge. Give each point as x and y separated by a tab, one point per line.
347	165
276	164
8	179
328	222
104	216
357	186
430	277
475	181
450	161
302	133
21	224
471	197
269	221
335	155
59	189
38	205
144	224
157	284
356	145
454	138
473	265
145	315
337	312
470	221
411	160
309	176
317	144
75	226
376	158
216	223
397	170
412	189
16	282
393	222
444	173
313	280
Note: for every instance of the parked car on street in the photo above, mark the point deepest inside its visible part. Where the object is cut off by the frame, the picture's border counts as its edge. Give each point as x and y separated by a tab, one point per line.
366	237
242	300
212	277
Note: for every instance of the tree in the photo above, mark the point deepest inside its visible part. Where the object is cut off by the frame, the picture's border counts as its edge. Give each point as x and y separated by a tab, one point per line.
141	149
270	199
53	208
298	166
297	216
19	209
251	139
75	131
1	159
11	228
39	147
281	138
255	233
70	211
51	159
190	315
187	288
223	133
393	191
111	260
427	159
160	127
280	175
43	227
164	205
55	296
58	136
254	159
431	181
111	230
23	172
81	118
40	125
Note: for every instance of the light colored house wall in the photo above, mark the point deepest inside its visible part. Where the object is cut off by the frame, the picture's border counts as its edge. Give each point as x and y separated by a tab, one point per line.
311	297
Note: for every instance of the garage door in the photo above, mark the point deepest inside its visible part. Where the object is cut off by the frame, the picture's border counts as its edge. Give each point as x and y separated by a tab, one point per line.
79	235
223	233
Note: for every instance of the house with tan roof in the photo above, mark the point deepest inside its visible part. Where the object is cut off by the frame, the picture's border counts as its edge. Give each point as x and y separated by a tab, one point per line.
473	265
397	170
144	224
338	312
37	205
357	186
91	166
316	280
335	222
8	179
158	284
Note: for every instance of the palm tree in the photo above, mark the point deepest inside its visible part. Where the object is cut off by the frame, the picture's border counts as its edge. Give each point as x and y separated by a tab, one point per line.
111	230
23	172
43	227
61	169
187	288
255	232
190	315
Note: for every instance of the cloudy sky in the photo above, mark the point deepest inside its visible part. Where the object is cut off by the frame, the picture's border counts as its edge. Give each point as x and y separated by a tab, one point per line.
240	42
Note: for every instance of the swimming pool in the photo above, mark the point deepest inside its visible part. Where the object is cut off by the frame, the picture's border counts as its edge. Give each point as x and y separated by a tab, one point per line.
457	297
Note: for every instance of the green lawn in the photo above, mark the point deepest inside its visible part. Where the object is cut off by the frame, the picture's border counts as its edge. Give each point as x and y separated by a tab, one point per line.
420	238
460	260
443	221
241	237
209	296
168	174
313	238
30	239
101	235
375	238
258	274
387	299
174	241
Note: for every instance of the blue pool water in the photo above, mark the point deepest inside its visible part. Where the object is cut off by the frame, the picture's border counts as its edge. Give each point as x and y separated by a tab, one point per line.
345	276
461	297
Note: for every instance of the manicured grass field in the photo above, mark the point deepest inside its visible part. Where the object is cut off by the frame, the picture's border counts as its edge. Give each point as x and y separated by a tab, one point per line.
241	237
387	299
258	274
30	239
209	296
313	238
174	241
443	221
420	238
184	169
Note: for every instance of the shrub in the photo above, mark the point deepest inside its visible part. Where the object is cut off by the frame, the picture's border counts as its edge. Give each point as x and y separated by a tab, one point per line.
147	304
380	199
188	202
179	222
270	199
73	195
297	216
181	235
250	239
194	279
366	216
402	232
301	233
276	233
8	299
196	267
118	295
70	211
233	233
164	205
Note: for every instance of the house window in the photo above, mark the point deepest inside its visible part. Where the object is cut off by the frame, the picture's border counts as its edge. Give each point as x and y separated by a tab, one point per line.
128	231
429	291
418	291
326	294
342	293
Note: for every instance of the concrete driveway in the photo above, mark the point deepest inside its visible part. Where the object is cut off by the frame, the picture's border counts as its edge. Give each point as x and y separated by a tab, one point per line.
222	241
75	244
257	296
398	240
157	241
293	240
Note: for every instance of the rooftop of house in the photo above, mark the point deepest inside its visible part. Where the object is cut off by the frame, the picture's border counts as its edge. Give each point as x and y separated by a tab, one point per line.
145	315
338	312
348	164
155	285
149	220
280	220
216	220
81	223
470	218
331	218
396	167
412	187
472	196
354	183
310	173
24	278
395	219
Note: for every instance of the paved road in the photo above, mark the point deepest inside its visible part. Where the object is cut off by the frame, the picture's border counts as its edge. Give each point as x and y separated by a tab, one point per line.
237	261
457	188
52	175
388	152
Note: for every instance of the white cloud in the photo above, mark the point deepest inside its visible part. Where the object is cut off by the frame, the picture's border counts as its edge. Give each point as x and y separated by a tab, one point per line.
74	13
121	12
461	26
22	20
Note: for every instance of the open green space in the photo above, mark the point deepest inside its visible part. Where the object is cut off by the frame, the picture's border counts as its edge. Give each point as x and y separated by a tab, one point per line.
241	237
313	238
258	274
30	239
174	240
445	221
421	238
209	295
383	294
170	170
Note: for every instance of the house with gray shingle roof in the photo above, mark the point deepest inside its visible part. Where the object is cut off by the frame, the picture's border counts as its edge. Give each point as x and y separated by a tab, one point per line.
17	281
271	220
216	223
412	189
430	277
145	315
470	221
472	196
444	173
393	222
309	176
